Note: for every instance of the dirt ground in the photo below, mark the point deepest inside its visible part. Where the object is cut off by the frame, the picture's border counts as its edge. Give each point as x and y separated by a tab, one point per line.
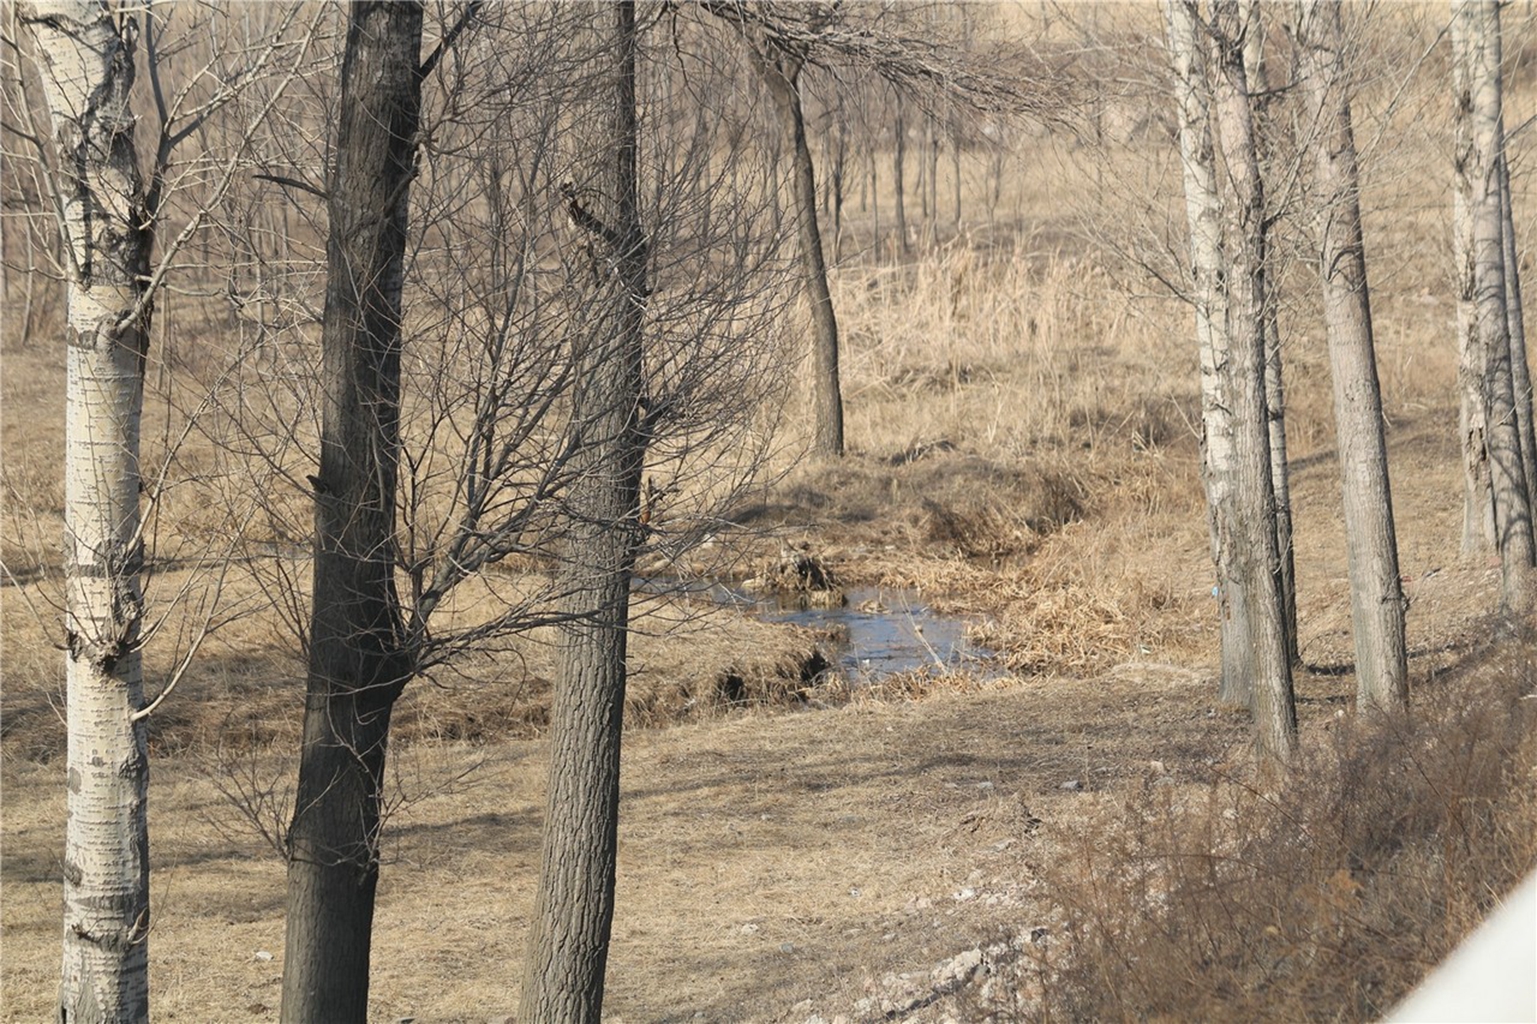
776	865
766	860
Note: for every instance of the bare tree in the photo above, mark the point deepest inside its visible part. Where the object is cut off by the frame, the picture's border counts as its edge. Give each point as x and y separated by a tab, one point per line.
1496	488
357	664
898	173
780	68
1520	368
1377	601
1188	54
568	947
1258	557
788	39
499	302
1227	247
88	65
106	210
1253	29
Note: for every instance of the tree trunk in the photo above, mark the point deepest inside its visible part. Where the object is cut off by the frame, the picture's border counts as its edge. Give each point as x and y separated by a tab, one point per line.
898	176
1377	600
1203	209
568	948
1258	558
925	138
782	74
1478	532
1275	389
875	207
955	155
357	667
87	72
840	161
933	150
1521	372
1482	311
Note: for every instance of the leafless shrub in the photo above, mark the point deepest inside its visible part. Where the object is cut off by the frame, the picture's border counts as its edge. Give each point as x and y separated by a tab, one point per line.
1324	897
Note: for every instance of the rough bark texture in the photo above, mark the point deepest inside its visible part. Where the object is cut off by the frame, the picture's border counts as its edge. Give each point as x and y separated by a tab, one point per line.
1257	559
1482	315
1520	368
356	664
1377	601
1203	209
1275	389
568	948
1478	532
87	71
781	72
899	174
840	161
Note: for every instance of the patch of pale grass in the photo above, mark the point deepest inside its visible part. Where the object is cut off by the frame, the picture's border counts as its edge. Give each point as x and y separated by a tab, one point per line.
999	353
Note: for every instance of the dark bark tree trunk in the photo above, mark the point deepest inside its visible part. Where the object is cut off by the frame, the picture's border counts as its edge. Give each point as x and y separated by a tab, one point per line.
1521	372
1377	600
923	168
1275	389
568	948
1258	558
781	72
357	666
898	176
933	151
875	208
840	162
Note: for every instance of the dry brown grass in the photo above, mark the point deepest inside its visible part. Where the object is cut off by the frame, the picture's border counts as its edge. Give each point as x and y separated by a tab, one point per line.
1327	897
1024	450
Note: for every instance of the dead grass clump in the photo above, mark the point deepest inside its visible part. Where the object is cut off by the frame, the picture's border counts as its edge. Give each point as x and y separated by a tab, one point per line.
788	677
916	684
1058	628
1078	607
801	576
1328	899
928	500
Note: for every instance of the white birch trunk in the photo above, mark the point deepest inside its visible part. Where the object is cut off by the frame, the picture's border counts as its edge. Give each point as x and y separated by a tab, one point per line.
1485	325
87	71
1478	533
1203	210
1377	601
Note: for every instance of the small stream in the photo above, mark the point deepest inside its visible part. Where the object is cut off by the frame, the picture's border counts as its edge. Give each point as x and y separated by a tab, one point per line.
883	631
880	631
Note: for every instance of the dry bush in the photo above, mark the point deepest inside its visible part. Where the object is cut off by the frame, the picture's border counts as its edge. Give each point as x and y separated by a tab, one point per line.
893	520
1328	897
917	684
